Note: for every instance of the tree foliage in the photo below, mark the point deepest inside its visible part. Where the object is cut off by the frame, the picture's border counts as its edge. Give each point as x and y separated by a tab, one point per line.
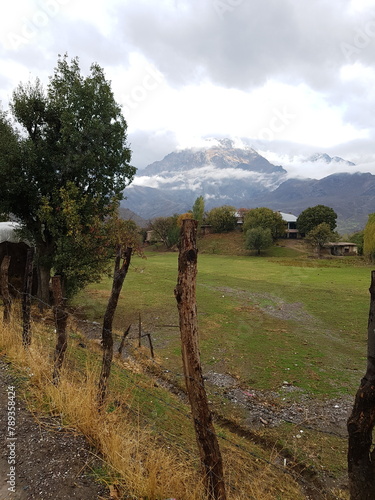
222	219
67	168
320	235
166	229
182	217
198	210
358	239
258	238
313	216
264	218
369	237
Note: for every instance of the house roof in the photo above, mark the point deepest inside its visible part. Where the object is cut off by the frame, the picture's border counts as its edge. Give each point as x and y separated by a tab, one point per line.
288	217
341	244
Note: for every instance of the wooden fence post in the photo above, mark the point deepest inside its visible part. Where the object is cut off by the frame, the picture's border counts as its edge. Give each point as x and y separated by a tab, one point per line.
4	278
26	298
361	455
185	293
122	343
107	336
61	319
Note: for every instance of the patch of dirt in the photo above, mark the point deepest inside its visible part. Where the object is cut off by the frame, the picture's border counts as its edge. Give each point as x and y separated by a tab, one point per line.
45	460
270	409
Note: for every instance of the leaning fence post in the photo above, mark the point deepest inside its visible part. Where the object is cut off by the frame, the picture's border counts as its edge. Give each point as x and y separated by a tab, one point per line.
119	276
361	455
185	292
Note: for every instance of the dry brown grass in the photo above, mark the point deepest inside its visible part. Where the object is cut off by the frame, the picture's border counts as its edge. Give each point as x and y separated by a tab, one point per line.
137	460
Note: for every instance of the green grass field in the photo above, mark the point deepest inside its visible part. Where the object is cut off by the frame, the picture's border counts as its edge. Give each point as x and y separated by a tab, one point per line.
281	316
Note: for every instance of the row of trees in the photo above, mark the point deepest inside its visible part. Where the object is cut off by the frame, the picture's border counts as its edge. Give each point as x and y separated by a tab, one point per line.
262	226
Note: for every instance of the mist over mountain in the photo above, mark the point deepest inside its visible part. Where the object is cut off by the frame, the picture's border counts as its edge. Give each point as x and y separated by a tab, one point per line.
226	174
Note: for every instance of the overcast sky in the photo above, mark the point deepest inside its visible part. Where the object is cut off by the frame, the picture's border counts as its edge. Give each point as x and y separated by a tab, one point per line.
288	77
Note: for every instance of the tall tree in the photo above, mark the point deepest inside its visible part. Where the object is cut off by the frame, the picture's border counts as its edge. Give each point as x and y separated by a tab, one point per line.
198	210
264	218
258	239
71	156
369	237
166	229
320	236
313	216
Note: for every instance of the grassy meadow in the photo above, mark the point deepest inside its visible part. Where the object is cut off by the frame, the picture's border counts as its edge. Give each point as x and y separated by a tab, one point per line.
263	320
283	316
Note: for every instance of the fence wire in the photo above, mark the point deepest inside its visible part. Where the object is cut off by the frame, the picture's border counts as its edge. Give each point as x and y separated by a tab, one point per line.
254	456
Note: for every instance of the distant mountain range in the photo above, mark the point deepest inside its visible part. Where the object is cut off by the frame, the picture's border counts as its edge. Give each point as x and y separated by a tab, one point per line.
228	175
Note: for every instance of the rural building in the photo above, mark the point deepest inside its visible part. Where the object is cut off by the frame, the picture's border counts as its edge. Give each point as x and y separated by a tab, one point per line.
341	248
291	230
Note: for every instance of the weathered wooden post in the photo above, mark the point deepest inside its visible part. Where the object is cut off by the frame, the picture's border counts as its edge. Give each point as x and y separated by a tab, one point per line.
4	281
361	456
61	319
107	335
26	298
185	293
122	343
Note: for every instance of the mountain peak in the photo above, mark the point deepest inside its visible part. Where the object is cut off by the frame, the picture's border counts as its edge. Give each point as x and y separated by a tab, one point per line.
319	157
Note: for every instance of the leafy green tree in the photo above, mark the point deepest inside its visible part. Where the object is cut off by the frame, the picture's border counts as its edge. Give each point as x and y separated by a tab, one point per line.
358	239
369	237
222	219
72	143
198	210
313	216
258	238
320	235
166	229
264	218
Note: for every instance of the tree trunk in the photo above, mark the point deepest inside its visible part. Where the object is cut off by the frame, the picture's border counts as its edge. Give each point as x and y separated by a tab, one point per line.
185	292
61	319
7	299
107	336
26	298
361	456
45	250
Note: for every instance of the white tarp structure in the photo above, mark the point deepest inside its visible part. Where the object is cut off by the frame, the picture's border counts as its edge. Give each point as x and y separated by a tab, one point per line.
8	233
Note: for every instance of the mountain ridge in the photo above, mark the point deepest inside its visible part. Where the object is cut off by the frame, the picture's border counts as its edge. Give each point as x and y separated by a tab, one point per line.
229	175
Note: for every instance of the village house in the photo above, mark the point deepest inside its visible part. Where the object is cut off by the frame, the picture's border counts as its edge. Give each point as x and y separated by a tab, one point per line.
340	248
291	230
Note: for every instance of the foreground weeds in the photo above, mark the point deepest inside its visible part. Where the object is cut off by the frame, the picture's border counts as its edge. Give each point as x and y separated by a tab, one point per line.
144	436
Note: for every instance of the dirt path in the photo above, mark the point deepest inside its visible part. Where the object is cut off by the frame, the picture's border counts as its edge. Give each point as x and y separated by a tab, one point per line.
42	460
